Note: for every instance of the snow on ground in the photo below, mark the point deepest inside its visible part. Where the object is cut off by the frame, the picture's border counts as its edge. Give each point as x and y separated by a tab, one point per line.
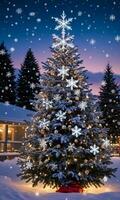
12	188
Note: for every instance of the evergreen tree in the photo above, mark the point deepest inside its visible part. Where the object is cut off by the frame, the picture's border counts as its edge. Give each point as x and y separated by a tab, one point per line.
7	77
110	104
28	81
65	144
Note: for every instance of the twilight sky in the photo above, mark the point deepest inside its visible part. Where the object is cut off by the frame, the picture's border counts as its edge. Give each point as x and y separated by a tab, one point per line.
96	26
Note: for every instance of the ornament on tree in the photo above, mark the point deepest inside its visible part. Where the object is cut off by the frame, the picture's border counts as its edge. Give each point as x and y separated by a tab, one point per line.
72	83
63	72
61	115
76	131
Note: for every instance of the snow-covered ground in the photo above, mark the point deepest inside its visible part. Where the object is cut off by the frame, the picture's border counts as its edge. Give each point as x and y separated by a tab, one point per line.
12	188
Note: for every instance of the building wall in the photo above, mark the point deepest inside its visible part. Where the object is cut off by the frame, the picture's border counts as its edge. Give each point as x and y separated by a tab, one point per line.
11	136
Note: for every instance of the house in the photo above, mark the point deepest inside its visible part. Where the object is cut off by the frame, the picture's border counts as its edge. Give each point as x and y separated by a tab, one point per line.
12	126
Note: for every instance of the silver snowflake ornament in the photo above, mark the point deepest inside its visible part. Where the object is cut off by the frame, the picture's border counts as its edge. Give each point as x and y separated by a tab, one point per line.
8	74
94	149
32	85
2	52
44	124
29	165
76	131
106	142
72	83
62	43
63	72
47	104
63	23
61	115
83	105
57	97
43	144
71	147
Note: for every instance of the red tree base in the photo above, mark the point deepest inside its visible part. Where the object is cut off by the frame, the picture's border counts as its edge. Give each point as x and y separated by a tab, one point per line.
73	187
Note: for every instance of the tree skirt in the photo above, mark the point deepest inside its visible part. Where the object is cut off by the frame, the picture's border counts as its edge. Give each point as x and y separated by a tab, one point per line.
73	187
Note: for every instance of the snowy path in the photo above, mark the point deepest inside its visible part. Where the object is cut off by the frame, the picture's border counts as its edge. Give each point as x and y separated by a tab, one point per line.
11	188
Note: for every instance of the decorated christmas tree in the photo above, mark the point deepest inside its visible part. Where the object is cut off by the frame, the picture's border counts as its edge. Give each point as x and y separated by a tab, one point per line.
110	104
7	77
28	81
66	145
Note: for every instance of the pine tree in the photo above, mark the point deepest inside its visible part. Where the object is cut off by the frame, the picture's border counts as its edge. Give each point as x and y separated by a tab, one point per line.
7	77
28	81
66	143
110	104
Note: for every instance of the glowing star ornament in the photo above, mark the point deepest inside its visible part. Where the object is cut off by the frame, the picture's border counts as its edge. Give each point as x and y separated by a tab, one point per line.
61	115
63	72
72	83
94	149
44	124
76	131
83	105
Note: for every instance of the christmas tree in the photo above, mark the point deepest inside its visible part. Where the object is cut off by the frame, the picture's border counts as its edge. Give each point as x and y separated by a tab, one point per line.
65	145
110	104
28	81
7	77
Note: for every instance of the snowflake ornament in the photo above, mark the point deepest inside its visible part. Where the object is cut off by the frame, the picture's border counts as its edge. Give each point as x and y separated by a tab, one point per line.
72	83
63	72
57	97
32	85
28	165
106	142
76	131
62	43
105	179
61	115
94	149
77	92
63	23
44	124
43	144
2	52
47	104
65	40
83	105
71	147
8	74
